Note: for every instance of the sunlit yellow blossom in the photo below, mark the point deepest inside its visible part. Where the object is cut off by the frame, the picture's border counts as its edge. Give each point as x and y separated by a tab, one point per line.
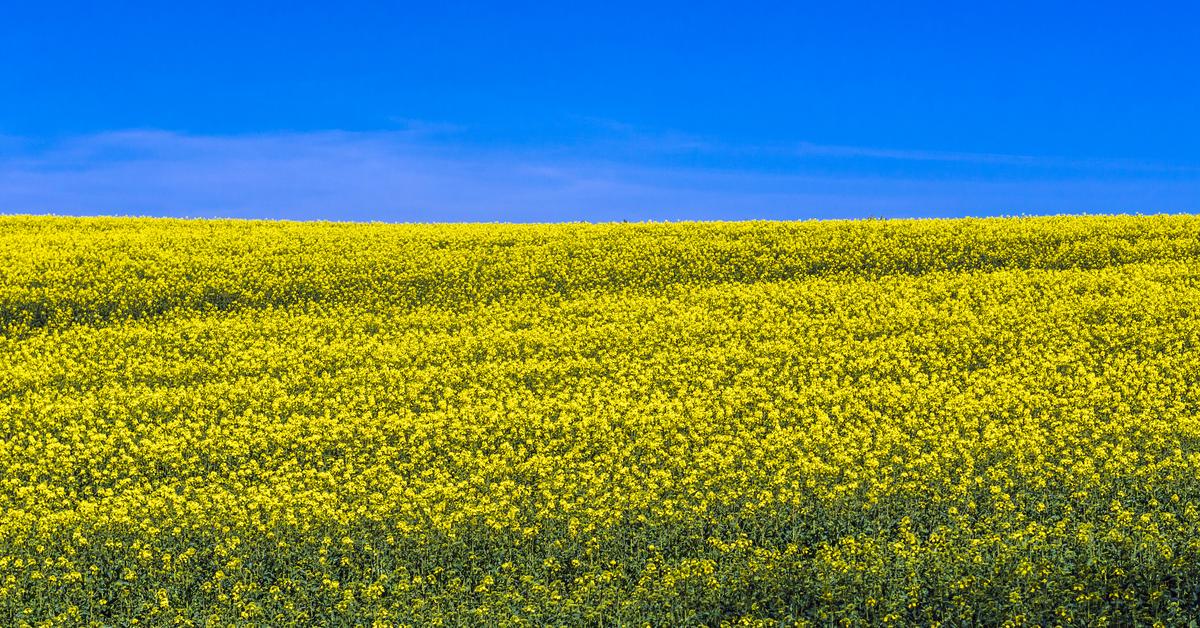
965	422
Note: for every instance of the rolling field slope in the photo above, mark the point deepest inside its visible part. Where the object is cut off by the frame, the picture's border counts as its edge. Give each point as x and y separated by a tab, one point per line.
862	423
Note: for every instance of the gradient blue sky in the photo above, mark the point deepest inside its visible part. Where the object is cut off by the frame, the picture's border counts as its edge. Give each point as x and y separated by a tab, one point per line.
608	111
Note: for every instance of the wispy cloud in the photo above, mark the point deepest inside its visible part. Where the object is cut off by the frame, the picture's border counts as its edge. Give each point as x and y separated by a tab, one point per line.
801	153
1036	161
433	172
809	149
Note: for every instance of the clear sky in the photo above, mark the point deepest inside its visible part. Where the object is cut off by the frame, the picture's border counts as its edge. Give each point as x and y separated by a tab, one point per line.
545	111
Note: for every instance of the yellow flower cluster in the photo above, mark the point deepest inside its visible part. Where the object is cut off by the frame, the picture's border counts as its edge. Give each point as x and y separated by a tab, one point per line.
849	423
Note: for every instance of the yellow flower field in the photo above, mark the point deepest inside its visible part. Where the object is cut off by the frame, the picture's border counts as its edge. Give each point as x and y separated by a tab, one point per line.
967	422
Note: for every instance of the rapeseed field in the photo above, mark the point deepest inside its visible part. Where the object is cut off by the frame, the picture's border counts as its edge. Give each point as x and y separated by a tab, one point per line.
960	422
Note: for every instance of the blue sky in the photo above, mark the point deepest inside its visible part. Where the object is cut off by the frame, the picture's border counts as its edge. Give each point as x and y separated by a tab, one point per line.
609	111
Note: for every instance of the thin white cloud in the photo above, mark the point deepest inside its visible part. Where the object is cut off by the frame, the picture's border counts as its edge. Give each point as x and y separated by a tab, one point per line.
1040	161
674	141
805	148
416	174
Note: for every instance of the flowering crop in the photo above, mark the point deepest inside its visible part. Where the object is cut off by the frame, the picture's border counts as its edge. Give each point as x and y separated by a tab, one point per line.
849	423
